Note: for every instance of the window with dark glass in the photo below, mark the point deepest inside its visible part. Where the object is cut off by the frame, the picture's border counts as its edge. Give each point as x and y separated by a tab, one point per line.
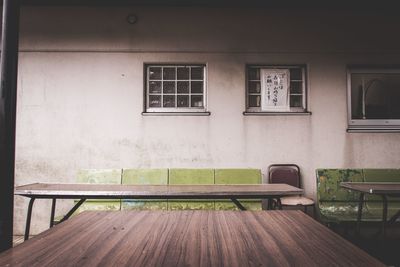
374	97
175	88
290	84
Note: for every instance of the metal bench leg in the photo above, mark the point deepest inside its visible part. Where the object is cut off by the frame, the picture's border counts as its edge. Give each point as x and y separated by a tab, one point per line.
359	212
271	203
77	205
279	203
238	204
384	215
28	218
53	209
394	218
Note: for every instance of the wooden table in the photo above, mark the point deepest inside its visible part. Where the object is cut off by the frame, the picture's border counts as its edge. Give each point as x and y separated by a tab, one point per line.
384	190
113	191
188	238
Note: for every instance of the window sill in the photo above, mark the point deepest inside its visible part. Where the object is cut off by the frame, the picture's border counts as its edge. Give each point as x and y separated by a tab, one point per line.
373	130
302	113
176	113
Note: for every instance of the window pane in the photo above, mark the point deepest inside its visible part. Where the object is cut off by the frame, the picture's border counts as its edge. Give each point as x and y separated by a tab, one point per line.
296	87
197	101
154	101
357	96
183	73
183	101
169	101
169	73
254	87
155	73
296	74
197	73
173	88
296	101
197	87
254	100
254	74
154	87
169	87
375	96
183	87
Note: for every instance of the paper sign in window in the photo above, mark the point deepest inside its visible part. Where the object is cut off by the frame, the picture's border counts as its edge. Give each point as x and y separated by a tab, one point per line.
275	89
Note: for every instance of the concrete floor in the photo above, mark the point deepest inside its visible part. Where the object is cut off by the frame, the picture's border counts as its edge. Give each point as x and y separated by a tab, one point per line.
17	239
370	239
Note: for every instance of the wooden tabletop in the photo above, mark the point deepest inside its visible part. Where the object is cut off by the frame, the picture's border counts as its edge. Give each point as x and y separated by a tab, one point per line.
373	188
155	191
188	238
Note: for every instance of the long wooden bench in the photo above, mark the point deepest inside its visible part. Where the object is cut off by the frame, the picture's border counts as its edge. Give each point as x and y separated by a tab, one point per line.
336	204
173	177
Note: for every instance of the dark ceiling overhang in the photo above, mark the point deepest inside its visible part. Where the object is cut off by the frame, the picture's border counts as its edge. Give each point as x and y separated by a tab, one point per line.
343	4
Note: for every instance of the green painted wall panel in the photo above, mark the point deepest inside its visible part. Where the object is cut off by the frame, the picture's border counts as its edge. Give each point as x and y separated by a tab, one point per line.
382	175
337	211
99	205
191	176
328	184
144	205
188	177
99	176
173	176
145	176
190	205
339	204
238	176
229	205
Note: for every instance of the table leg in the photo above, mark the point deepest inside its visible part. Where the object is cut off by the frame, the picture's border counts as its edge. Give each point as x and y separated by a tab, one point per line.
28	218
359	212
270	203
279	203
394	217
384	215
53	209
238	204
77	205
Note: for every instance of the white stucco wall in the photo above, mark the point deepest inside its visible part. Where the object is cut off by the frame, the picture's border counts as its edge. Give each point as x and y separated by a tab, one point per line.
81	91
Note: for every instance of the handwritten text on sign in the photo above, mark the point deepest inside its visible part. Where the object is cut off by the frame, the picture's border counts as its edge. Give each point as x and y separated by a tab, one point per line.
274	89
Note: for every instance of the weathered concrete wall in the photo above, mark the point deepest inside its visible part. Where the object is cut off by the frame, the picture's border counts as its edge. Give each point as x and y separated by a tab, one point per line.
81	91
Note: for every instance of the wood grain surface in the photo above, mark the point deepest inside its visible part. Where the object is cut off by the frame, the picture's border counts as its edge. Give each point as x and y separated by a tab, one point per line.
155	191
188	238
373	188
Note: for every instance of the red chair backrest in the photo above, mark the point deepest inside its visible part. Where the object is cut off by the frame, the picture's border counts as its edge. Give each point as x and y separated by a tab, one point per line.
284	174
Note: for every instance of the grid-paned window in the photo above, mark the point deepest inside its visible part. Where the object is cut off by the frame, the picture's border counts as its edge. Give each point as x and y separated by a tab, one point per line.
276	89
175	88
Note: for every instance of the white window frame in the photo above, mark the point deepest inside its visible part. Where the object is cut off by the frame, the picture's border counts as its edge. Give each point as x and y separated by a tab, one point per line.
292	110
369	125
175	110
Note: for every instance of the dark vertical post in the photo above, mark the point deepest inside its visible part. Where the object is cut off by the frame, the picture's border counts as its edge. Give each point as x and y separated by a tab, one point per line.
8	102
359	212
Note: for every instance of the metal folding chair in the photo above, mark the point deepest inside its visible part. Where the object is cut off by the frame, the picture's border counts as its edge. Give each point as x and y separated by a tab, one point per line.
289	174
